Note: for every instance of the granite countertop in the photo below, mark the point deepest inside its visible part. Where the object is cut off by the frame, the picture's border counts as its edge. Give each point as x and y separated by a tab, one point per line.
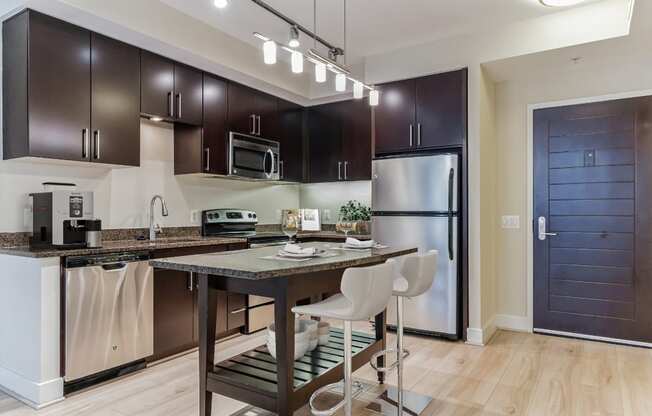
123	245
250	264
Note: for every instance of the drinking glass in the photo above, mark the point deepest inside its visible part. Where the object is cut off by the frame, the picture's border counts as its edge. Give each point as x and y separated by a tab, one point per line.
345	225
290	222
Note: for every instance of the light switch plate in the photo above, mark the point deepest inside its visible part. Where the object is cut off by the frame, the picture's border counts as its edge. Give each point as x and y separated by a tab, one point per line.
511	221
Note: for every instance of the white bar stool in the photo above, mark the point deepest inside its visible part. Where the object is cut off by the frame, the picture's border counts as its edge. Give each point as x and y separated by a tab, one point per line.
365	293
415	277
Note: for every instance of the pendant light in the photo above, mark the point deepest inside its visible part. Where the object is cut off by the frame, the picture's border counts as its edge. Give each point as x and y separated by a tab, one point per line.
340	82
220	4
358	90
297	62
294	37
320	72
374	98
269	52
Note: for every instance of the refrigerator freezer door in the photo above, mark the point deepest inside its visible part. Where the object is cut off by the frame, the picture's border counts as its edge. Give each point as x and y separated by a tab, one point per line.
415	184
436	310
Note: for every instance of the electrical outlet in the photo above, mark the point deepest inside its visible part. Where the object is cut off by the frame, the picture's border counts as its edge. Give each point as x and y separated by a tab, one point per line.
511	222
195	217
327	215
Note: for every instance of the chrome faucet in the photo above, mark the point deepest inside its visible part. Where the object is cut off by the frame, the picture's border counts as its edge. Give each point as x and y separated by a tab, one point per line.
155	228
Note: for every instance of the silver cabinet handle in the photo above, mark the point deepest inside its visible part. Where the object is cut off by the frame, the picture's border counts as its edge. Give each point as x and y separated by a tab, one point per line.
178	105
207	151
191	281
236	311
253	124
346	170
281	166
258	118
85	143
97	144
339	171
411	134
419	134
171	103
542	229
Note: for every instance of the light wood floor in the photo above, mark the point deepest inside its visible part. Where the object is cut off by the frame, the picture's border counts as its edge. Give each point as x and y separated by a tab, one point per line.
516	374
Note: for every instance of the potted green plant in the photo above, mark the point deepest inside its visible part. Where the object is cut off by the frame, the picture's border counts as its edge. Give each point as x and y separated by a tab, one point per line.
356	217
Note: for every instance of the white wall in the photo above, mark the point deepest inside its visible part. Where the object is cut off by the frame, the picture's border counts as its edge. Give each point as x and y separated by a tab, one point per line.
331	196
122	195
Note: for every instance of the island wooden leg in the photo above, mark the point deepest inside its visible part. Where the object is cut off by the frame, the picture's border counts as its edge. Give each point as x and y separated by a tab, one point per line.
284	323
207	325
381	335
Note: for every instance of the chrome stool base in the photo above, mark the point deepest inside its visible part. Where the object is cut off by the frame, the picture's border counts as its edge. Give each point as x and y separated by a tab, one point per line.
386	404
338	389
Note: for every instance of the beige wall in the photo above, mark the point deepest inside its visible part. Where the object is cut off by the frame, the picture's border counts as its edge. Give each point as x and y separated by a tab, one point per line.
512	194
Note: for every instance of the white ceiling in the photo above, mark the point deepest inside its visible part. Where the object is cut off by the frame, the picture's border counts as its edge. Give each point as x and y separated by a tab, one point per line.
374	26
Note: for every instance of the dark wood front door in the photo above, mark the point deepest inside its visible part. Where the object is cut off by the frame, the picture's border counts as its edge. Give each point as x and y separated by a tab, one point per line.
592	186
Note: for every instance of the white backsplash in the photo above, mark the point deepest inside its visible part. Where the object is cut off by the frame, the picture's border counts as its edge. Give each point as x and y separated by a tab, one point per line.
331	196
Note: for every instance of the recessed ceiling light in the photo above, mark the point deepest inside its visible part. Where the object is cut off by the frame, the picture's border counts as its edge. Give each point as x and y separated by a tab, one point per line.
220	4
560	3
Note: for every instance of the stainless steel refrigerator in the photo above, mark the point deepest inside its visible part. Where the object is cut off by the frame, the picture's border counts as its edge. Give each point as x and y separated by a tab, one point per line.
415	201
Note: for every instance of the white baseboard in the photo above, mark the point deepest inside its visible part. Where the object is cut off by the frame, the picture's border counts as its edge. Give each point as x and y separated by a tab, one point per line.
480	337
513	323
35	395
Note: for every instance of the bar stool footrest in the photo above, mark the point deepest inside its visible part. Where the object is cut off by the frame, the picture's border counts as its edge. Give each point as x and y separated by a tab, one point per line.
374	359
357	389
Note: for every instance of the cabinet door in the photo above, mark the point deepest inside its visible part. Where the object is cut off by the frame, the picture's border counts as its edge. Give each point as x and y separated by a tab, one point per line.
59	89
242	109
267	113
395	117
188	96
325	138
157	86
356	140
174	312
214	149
441	110
290	136
115	78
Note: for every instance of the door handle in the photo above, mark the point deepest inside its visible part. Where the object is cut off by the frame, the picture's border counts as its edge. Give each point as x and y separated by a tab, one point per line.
191	280
85	143
207	151
339	171
97	144
178	105
258	118
271	168
542	229
171	104
451	178
253	124
281	166
418	134
346	170
411	134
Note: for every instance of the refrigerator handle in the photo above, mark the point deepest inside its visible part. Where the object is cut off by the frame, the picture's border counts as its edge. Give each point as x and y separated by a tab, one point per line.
451	177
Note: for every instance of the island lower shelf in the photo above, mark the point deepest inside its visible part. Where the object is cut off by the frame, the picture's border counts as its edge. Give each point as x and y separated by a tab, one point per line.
253	373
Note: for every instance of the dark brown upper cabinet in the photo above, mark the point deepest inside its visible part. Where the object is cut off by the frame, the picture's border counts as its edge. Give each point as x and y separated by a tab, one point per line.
340	141
290	135
170	90
252	112
115	101
72	93
204	150
422	113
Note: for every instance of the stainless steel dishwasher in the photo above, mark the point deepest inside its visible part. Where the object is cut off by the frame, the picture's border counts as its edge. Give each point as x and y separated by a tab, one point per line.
109	313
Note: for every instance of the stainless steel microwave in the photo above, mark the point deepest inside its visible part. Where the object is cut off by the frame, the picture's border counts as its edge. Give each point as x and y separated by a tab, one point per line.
253	157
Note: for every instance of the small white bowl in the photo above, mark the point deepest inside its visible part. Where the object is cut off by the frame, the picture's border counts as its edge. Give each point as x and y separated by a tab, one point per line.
301	341
324	332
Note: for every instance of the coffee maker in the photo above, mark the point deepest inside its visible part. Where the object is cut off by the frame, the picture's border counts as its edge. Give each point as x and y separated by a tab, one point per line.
61	219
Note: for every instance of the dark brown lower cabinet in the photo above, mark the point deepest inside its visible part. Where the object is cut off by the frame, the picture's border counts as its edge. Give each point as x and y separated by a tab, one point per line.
176	307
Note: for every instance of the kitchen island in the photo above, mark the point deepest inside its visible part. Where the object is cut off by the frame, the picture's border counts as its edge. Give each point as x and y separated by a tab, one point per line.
282	385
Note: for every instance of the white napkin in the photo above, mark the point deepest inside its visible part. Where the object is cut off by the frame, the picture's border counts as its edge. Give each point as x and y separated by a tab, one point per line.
296	249
354	242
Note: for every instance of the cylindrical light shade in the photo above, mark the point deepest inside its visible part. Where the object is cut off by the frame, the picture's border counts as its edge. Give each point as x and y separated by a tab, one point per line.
269	52
320	72
374	97
340	82
220	4
358	90
297	62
